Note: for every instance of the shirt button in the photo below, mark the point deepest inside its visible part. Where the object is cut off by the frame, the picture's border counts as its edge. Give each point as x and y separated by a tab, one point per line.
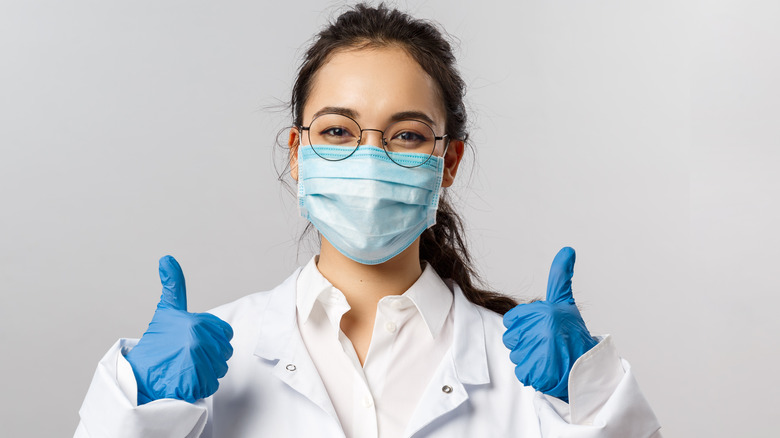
367	402
390	327
446	389
396	304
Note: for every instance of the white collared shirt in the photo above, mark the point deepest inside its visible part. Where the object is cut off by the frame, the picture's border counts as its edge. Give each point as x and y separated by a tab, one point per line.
412	332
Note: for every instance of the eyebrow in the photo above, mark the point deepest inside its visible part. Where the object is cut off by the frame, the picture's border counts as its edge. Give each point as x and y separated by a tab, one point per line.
403	115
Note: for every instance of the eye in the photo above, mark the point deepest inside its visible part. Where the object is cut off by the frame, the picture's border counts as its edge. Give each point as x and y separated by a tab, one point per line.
336	132
409	136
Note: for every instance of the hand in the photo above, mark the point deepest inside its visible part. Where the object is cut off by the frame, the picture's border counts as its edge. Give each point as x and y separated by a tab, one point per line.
182	354
547	337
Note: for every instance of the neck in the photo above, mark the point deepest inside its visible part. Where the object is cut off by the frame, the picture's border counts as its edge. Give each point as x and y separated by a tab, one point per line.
364	285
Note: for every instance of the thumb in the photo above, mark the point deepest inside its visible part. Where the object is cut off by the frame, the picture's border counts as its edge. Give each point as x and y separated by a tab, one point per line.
174	293
559	281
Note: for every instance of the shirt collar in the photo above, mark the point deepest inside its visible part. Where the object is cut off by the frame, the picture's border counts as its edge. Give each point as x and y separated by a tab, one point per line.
311	284
432	298
429	294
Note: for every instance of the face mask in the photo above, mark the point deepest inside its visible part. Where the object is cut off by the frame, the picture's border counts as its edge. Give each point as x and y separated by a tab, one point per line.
369	208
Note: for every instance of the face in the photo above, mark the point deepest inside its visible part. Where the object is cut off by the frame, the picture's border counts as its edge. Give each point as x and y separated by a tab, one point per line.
374	85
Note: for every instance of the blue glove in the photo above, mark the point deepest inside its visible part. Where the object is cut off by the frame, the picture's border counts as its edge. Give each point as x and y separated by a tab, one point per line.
182	354
547	337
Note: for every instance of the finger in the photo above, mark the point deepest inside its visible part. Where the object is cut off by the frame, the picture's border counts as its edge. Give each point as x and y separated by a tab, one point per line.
532	340
520	320
521	311
522	337
534	349
219	350
216	325
227	351
510	338
214	358
206	383
522	375
174	292
561	272
511	316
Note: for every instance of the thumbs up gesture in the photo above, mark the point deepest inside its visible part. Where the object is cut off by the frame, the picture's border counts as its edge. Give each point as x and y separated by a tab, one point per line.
182	354
547	337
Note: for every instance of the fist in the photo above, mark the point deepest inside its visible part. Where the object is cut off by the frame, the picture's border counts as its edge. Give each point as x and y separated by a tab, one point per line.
181	355
547	337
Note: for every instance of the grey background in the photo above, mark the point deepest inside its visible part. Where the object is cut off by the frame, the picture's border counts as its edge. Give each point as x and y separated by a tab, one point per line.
642	133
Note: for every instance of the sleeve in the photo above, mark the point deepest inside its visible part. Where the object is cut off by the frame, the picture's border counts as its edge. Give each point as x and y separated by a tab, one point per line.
110	408
604	400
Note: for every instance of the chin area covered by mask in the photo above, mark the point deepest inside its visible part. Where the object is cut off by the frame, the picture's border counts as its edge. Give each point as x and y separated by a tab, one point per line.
367	206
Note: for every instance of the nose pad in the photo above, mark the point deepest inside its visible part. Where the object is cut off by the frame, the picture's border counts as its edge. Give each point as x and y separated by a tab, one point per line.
372	138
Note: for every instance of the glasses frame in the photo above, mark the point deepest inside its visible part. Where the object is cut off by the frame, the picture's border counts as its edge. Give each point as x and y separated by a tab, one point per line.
384	140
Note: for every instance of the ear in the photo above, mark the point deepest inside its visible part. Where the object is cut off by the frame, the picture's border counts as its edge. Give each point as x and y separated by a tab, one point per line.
452	161
293	142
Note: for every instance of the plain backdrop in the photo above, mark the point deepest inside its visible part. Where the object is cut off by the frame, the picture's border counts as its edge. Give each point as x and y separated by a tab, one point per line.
642	133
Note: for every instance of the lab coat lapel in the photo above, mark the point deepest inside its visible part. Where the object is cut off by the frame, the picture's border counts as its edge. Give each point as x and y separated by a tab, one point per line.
279	340
464	364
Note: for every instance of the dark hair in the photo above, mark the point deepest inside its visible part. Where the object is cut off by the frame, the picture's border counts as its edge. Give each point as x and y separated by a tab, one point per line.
363	26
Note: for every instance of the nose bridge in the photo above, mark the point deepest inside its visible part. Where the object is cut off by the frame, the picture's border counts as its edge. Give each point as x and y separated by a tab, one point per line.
371	137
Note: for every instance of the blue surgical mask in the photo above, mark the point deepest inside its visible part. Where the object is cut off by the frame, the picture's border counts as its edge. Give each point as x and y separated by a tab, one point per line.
368	207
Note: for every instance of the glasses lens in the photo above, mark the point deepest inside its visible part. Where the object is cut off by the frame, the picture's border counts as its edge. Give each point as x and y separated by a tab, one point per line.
410	136
333	136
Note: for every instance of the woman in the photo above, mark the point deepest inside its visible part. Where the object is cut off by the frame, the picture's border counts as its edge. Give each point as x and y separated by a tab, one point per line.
384	332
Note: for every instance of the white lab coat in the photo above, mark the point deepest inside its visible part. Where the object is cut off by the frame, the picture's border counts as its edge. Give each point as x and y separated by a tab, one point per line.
272	388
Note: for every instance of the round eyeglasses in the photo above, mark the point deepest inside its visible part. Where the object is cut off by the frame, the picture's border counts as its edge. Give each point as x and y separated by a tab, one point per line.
414	138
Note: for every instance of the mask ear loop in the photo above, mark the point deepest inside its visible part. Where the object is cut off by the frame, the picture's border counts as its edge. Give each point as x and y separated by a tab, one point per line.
443	155
432	213
446	147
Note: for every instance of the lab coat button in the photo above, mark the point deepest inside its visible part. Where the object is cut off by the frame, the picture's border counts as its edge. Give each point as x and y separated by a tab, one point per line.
290	367
367	402
390	326
446	389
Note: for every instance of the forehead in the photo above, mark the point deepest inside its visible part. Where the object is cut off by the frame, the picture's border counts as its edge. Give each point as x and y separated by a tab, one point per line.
376	83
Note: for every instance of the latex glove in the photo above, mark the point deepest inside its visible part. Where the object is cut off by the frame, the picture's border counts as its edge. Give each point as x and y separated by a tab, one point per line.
182	354
547	337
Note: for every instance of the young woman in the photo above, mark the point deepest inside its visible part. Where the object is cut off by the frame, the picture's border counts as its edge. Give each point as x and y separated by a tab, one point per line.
384	333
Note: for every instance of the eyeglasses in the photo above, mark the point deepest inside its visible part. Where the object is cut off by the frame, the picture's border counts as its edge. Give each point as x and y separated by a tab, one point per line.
404	136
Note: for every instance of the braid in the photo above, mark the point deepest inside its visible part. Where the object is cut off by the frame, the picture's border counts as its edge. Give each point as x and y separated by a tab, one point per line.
444	248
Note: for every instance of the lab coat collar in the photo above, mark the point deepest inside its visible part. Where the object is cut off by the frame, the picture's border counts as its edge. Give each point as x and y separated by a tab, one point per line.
432	298
279	339
464	364
277	322
469	353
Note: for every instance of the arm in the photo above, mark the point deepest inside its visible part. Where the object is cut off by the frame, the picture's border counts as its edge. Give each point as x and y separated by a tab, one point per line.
584	388
605	400
156	386
110	408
